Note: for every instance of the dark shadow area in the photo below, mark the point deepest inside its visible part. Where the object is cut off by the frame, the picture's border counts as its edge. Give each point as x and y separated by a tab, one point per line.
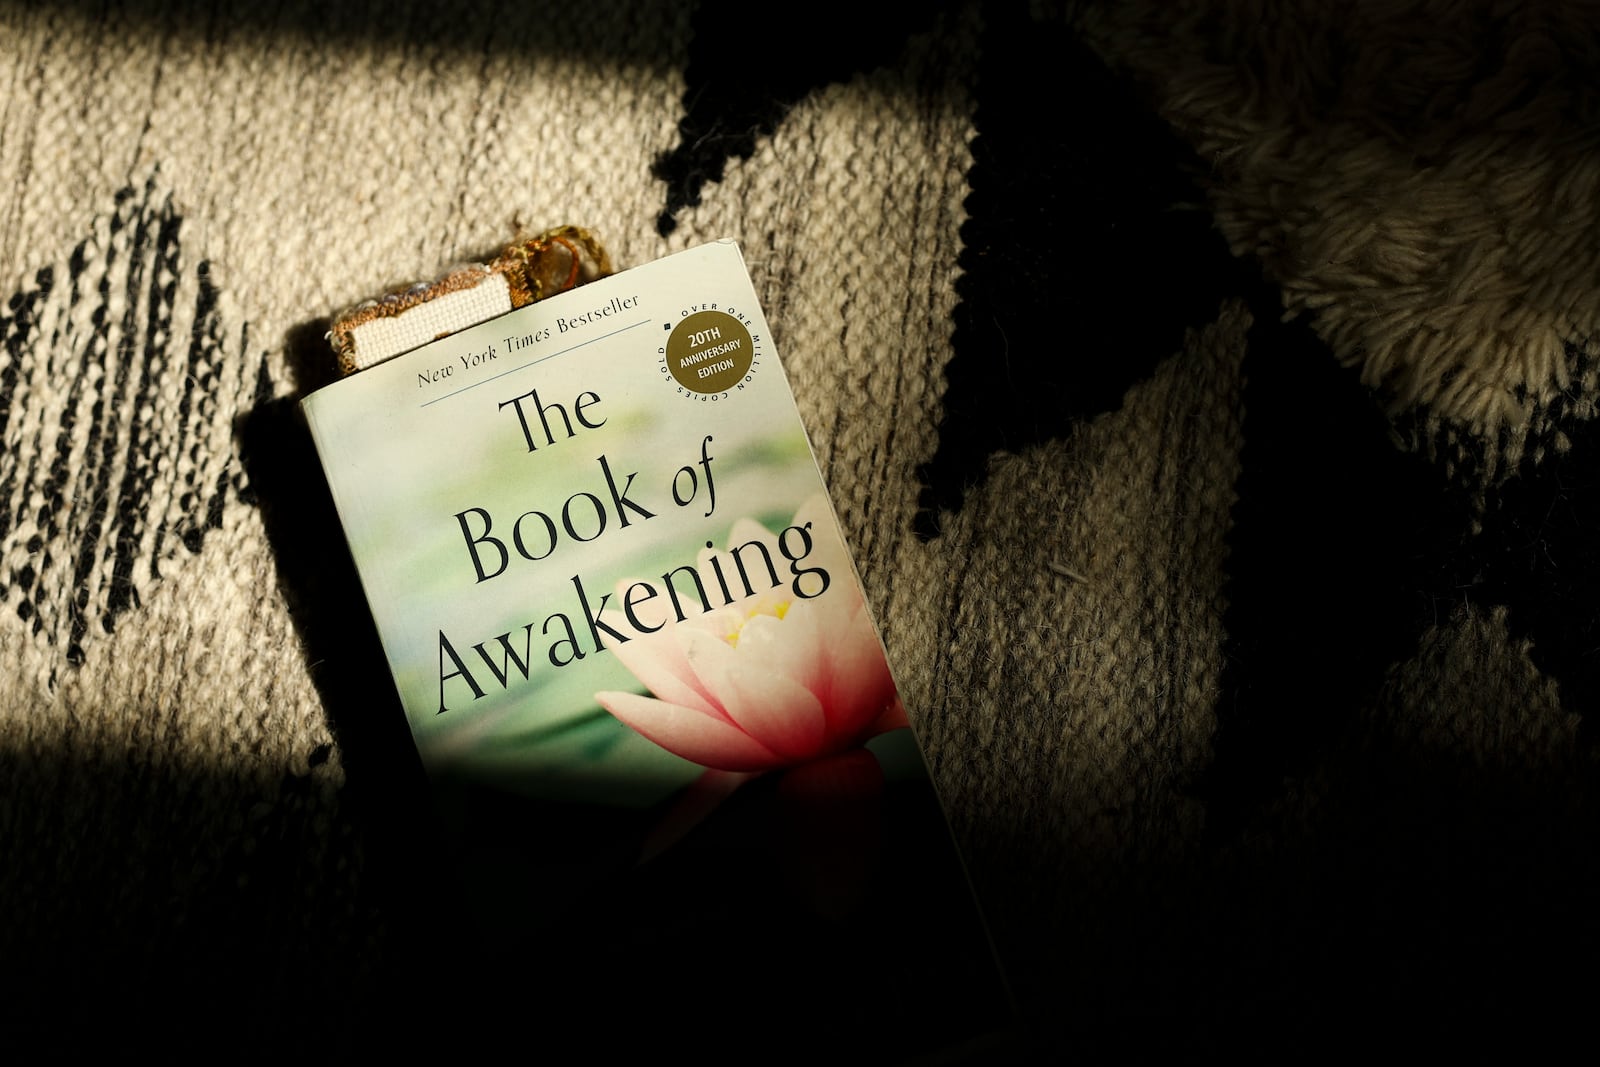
1410	898
311	364
729	106
715	947
1430	901
1346	549
1536	554
1087	252
185	910
537	29
1337	556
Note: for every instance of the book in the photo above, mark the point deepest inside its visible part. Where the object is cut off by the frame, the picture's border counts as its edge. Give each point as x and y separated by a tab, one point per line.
676	788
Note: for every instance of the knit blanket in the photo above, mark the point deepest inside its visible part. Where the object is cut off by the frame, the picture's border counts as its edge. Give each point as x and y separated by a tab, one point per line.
1206	389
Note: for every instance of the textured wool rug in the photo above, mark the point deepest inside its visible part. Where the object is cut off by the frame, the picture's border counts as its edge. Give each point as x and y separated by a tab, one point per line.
1207	390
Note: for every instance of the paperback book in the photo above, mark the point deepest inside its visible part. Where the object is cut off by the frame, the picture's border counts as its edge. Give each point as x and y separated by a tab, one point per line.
676	783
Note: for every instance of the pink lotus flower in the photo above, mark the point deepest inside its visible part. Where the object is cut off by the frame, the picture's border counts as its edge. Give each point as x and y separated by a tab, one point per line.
773	679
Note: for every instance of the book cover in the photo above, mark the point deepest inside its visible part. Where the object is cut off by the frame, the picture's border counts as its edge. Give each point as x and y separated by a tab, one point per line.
678	787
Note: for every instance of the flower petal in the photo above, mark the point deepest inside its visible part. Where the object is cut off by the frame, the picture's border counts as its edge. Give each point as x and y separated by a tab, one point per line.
747	529
792	646
660	664
860	687
744	581
781	713
689	733
772	678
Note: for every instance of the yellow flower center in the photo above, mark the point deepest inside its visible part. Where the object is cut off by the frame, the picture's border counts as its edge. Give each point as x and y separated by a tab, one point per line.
777	610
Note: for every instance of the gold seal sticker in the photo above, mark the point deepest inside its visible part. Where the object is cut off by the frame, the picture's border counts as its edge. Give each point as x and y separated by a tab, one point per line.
709	352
